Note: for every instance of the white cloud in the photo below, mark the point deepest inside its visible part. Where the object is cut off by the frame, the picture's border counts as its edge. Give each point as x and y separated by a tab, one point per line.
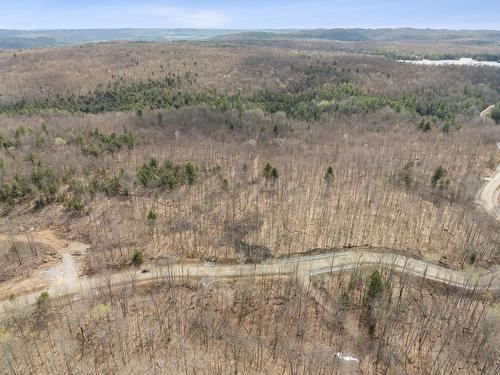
185	17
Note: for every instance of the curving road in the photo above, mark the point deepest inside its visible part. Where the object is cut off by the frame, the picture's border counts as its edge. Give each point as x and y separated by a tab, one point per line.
485	113
489	194
302	267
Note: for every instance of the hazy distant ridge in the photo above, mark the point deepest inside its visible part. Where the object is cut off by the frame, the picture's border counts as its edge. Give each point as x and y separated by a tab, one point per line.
17	39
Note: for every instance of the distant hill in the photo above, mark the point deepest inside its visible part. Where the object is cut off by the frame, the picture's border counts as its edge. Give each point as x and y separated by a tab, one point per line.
20	43
18	39
376	35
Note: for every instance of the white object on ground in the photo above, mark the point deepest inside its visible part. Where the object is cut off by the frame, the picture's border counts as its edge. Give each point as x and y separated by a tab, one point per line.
463	61
345	357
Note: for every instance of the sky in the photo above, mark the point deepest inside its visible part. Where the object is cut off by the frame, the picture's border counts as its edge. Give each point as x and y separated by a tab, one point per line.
249	14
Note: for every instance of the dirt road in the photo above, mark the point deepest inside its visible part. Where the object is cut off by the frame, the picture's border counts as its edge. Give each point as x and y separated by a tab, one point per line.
303	267
489	194
486	112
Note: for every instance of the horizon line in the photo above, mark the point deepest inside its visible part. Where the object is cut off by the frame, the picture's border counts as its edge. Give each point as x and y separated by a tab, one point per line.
252	29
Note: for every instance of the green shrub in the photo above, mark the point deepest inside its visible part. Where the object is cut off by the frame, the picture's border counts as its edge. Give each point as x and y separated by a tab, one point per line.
329	175
191	173
5	142
46	180
75	204
274	174
110	185
147	173
495	114
21	131
42	308
39	142
406	175
3	166
108	142
375	287
425	125
91	150
169	175
270	173
16	189
137	258
372	326
30	157
438	178
345	300
268	170
152	216
44	297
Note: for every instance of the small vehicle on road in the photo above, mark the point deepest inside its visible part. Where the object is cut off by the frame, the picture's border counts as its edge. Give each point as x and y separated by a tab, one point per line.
77	253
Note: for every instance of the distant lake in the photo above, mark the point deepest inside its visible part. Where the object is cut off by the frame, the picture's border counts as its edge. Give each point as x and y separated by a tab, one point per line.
462	61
